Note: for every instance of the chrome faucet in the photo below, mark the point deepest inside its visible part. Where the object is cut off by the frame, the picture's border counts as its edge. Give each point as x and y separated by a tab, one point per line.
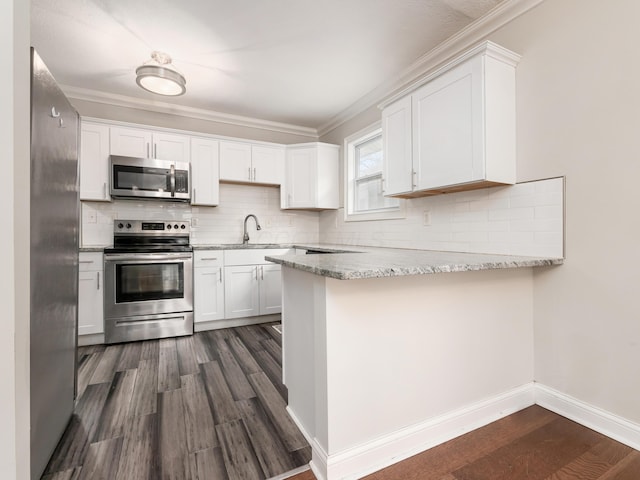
245	238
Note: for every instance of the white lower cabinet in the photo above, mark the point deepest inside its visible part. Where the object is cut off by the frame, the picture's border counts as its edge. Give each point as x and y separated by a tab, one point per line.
230	284
270	289
253	286
242	297
253	290
208	286
90	293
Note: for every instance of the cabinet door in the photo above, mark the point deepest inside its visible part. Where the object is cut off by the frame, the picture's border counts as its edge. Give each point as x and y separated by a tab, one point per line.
270	289
204	172
241	298
267	164
208	294
94	162
396	139
90	293
90	302
447	128
300	181
172	147
235	162
130	142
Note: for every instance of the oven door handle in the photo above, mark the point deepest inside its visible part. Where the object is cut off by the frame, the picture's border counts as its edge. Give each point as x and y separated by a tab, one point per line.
145	257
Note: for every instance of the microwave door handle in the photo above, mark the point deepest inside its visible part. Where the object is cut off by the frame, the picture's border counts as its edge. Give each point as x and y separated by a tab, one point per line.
173	181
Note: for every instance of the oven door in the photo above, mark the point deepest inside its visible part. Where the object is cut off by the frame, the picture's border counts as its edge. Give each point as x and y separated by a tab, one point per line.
147	284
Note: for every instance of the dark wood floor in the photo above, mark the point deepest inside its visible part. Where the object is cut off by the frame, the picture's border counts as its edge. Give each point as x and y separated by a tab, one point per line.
533	444
207	406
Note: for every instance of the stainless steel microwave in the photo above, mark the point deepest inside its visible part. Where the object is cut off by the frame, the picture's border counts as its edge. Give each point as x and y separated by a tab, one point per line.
150	178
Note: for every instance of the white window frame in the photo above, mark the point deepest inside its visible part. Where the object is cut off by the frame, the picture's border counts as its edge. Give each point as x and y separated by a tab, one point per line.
350	215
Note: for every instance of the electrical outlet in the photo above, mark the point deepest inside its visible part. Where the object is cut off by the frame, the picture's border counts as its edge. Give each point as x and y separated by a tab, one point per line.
426	218
195	221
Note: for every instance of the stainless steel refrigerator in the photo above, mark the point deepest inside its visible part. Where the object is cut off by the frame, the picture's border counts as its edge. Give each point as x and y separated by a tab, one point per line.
54	262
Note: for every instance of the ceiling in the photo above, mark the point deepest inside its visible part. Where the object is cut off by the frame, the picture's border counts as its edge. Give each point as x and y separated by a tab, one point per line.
295	62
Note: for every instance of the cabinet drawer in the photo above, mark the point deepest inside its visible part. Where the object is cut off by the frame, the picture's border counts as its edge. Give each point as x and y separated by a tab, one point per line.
252	256
90	261
208	258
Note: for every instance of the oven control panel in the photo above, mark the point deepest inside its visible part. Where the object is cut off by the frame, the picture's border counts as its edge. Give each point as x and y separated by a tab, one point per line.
151	227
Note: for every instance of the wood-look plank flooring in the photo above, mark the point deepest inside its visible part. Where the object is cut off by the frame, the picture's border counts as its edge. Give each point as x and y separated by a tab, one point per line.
209	407
533	444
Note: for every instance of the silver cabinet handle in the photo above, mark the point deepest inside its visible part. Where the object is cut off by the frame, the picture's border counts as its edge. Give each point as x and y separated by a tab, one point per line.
155	150
220	275
85	261
254	174
249	173
256	273
194	196
147	149
414	178
97	280
209	258
104	190
261	273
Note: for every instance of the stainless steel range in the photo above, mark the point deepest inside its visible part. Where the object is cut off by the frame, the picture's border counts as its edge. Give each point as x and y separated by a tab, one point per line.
148	290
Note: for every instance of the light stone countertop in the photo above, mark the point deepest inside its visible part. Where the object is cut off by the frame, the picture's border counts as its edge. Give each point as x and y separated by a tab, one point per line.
374	262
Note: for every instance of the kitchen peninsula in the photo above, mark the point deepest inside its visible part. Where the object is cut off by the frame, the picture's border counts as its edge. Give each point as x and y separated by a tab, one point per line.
388	352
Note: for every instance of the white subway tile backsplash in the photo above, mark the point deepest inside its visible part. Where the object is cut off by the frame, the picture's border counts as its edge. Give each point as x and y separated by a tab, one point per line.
210	225
518	213
549	211
523	219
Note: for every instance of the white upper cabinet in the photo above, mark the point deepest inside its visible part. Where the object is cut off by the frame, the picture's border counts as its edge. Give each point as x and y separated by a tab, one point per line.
168	146
94	162
204	172
268	164
246	163
398	173
311	177
460	127
135	142
130	142
235	161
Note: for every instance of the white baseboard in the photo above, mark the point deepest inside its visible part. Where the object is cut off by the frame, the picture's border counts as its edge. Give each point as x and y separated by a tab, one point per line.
592	417
235	322
397	446
382	452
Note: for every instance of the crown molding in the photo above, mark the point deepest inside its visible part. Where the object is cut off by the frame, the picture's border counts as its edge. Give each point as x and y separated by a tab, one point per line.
466	38
190	112
487	48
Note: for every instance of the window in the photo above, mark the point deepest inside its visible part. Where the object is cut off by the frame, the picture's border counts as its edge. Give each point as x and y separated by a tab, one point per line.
365	200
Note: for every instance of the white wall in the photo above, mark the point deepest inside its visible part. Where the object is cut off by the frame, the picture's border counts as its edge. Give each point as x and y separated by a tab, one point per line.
14	242
210	225
578	115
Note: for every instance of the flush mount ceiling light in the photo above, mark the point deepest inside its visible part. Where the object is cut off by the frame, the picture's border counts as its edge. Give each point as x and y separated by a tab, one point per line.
159	76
